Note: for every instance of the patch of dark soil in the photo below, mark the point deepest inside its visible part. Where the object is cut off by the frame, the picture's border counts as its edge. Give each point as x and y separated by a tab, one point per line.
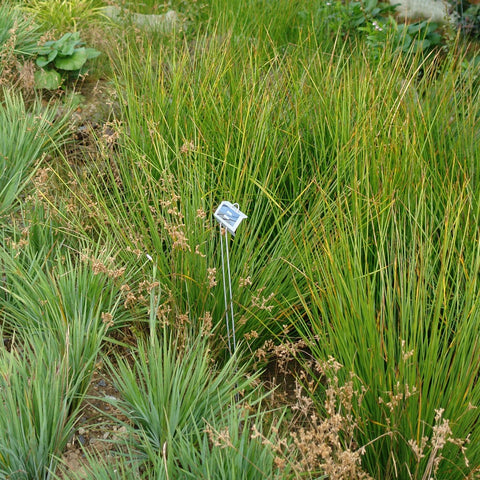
95	431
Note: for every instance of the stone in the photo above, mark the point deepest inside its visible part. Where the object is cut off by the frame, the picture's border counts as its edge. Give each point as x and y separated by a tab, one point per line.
164	23
432	10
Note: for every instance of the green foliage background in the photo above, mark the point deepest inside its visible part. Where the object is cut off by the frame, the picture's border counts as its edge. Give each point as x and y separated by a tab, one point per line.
354	154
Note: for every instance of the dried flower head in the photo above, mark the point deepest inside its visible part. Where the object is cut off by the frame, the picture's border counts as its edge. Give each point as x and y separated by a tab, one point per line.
187	147
211	277
107	319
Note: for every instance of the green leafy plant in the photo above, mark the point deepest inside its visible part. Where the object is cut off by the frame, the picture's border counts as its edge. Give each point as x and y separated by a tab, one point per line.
66	55
365	11
374	19
345	17
470	21
418	37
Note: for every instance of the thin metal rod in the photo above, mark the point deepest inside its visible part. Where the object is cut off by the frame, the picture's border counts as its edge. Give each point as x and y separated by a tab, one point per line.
231	294
225	290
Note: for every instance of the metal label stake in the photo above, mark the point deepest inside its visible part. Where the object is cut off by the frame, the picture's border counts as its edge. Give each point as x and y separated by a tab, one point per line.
229	218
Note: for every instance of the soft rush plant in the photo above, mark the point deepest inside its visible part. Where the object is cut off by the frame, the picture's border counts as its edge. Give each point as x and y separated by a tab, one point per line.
405	323
359	179
392	263
216	129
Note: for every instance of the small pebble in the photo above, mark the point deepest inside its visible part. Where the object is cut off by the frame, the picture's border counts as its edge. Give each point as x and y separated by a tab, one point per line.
81	440
102	383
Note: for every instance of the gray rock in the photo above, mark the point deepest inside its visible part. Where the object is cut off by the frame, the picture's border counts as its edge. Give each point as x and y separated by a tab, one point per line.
432	10
164	23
